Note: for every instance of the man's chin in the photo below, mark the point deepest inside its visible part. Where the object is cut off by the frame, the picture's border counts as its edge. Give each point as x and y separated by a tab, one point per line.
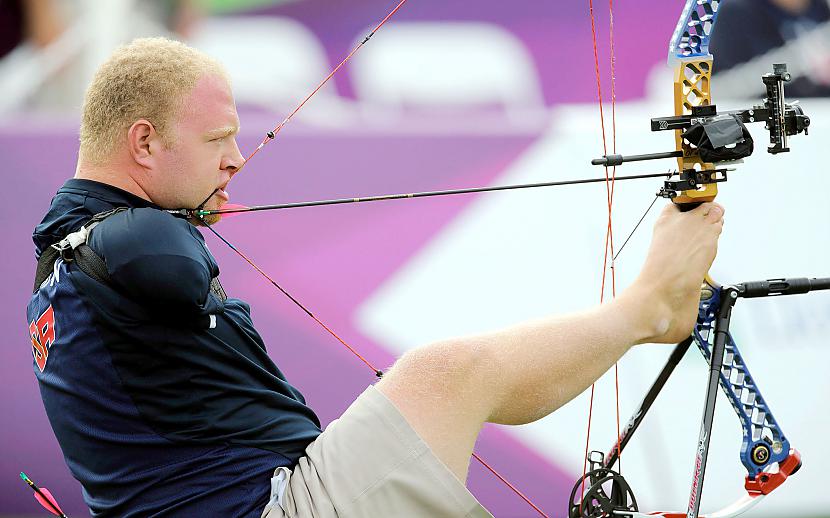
209	219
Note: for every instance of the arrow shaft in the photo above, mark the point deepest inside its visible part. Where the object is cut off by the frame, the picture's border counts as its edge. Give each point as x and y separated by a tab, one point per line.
425	194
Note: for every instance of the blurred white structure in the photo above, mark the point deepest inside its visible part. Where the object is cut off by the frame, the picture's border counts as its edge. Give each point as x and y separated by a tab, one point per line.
275	63
429	66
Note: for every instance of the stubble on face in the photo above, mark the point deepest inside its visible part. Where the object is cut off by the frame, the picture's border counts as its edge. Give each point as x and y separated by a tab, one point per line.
206	220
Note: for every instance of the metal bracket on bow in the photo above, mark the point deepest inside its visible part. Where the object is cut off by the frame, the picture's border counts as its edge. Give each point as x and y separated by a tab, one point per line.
721	137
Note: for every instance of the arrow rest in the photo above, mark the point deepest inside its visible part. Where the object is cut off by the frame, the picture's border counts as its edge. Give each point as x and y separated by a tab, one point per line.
604	492
691	179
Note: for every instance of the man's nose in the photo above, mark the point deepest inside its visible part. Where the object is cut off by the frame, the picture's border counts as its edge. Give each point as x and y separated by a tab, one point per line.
235	160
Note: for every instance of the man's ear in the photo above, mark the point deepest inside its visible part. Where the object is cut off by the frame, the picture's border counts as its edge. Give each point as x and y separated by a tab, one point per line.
140	141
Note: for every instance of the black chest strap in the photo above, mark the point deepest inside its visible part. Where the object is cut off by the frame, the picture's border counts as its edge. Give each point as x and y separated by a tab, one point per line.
74	248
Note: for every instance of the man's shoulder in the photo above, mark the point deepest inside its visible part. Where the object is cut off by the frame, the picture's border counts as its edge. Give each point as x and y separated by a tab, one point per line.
145	233
146	226
154	255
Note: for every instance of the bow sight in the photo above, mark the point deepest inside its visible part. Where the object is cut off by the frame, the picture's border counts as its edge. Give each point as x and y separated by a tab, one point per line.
721	138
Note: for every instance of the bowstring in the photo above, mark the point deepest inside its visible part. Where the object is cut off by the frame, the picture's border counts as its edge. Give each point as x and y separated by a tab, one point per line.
609	234
613	59
290	297
271	135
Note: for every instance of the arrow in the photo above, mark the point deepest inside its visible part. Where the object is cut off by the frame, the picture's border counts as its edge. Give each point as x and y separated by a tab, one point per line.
238	209
44	497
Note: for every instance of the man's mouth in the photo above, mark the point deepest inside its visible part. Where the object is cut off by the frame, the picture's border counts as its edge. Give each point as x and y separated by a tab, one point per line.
222	193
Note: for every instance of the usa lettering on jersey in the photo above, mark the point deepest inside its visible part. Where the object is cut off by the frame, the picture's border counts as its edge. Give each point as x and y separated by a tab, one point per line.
42	333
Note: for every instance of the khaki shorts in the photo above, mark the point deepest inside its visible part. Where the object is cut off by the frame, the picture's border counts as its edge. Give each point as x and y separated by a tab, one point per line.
370	463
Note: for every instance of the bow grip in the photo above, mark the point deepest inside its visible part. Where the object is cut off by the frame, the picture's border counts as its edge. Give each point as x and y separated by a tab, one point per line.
686	207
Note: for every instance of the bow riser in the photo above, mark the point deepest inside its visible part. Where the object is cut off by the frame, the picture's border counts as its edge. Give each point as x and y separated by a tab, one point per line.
689	54
764	443
692	88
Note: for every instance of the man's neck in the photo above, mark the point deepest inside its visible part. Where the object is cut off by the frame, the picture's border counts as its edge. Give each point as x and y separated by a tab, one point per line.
110	174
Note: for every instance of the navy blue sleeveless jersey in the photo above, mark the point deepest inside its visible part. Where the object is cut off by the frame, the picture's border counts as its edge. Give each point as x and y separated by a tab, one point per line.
161	395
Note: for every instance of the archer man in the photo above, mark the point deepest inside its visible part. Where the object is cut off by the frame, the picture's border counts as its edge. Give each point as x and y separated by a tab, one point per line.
160	390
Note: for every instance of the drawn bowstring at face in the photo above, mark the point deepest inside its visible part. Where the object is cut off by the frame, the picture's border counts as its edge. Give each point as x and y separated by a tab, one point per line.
175	144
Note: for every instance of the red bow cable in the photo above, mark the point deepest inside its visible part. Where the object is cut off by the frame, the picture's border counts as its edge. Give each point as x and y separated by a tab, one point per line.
609	231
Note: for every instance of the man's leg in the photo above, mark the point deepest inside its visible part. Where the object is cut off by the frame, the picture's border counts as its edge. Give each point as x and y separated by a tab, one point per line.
448	390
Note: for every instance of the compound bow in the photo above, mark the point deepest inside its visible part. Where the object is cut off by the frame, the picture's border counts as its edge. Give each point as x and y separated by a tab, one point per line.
706	142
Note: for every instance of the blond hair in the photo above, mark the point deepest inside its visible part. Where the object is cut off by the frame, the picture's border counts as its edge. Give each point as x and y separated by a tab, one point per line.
147	79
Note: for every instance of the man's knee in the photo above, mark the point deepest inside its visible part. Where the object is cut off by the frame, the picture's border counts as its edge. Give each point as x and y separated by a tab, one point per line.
442	390
451	369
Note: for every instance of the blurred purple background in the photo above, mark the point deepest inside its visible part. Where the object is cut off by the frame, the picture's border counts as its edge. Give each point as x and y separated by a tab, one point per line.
330	258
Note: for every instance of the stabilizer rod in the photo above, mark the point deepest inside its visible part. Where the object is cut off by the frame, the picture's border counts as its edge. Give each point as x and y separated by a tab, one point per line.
615	160
771	287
